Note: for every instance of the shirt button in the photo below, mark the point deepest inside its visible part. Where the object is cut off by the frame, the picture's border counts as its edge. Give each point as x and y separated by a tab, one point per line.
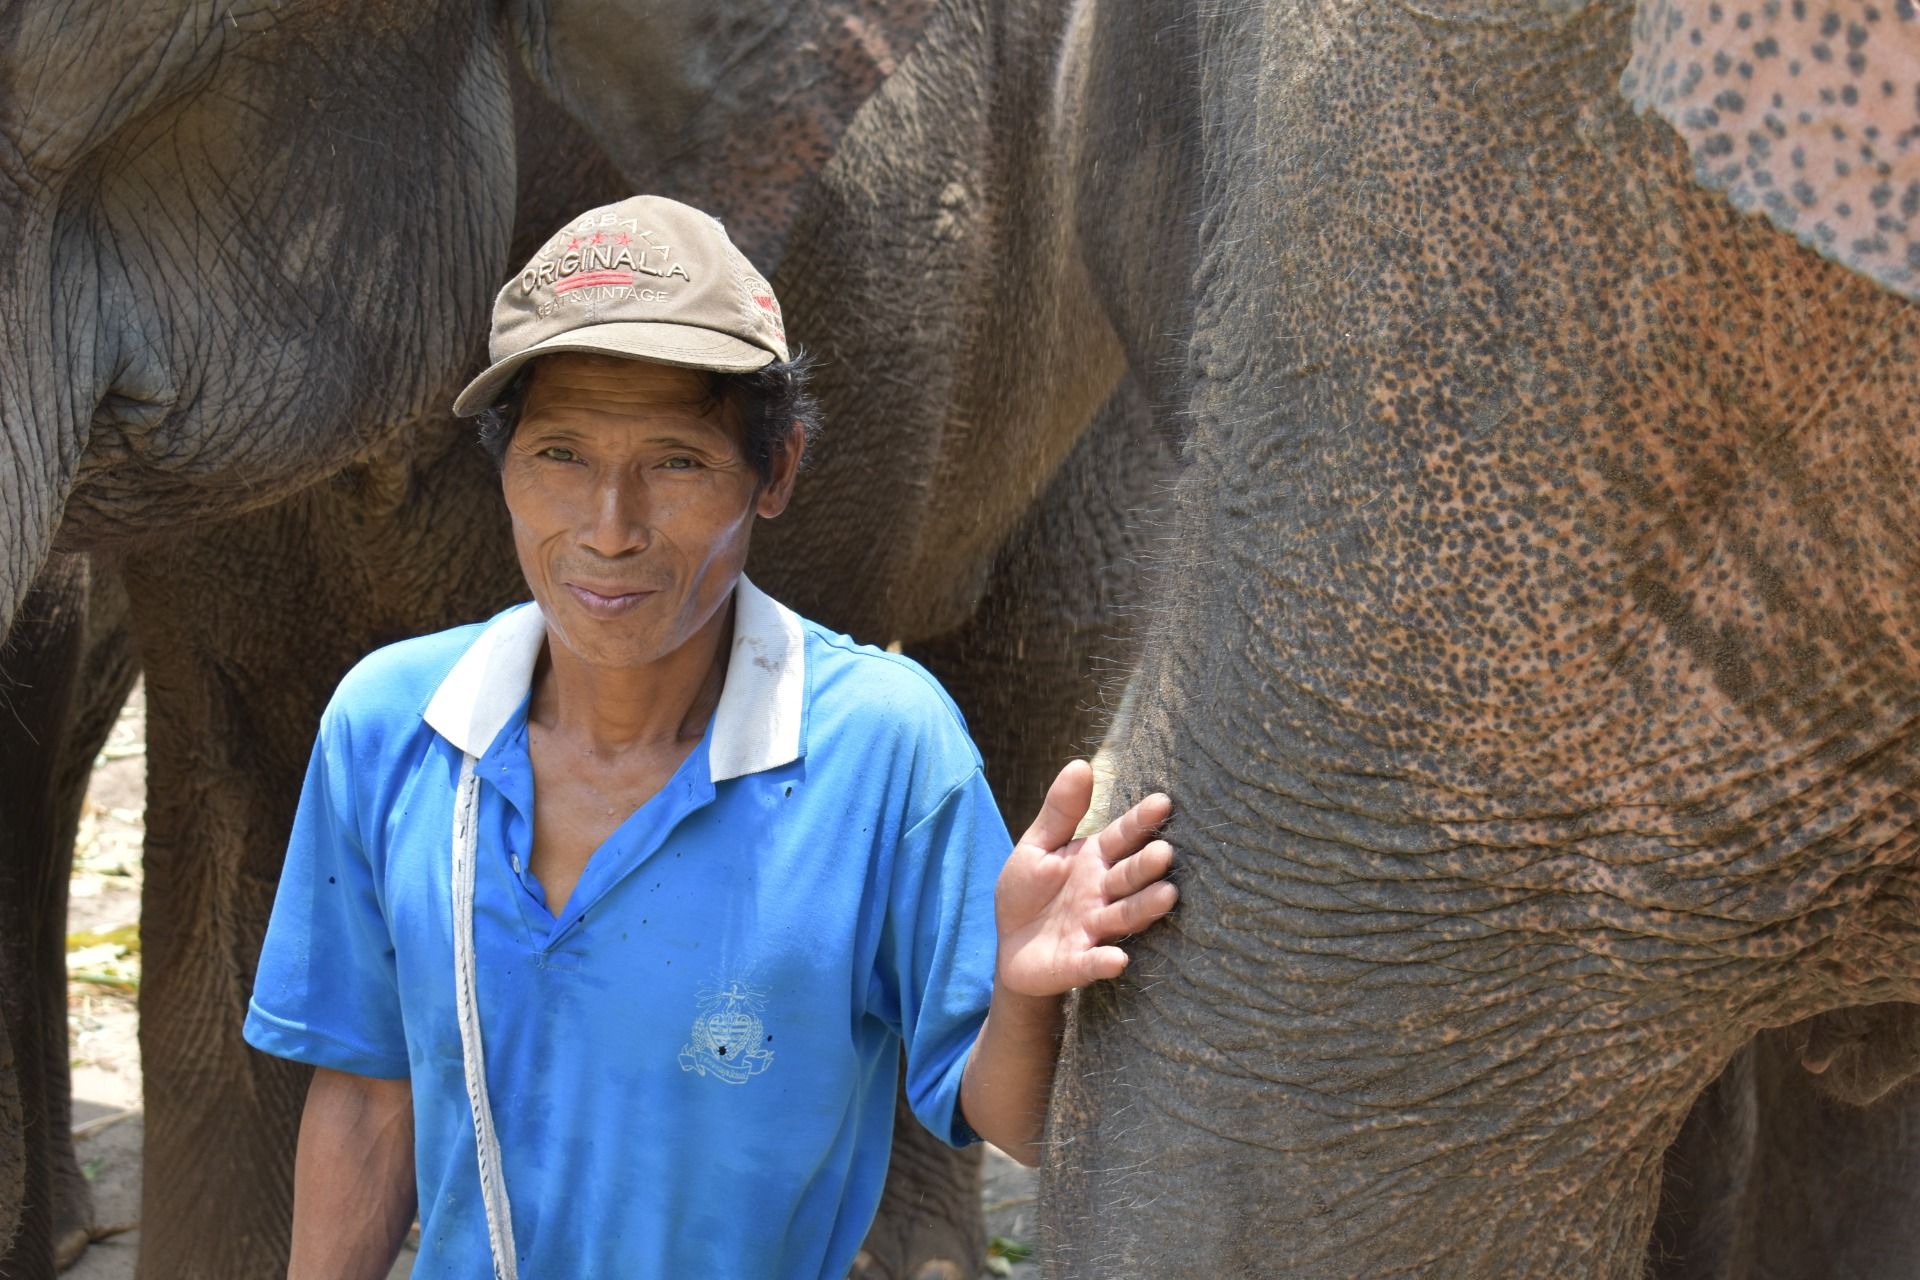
516	864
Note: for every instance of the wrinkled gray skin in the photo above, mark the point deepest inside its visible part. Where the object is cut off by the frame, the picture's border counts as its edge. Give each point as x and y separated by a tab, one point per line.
1534	670
250	259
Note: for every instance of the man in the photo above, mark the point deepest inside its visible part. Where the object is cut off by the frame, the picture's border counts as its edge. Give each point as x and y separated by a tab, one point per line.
604	923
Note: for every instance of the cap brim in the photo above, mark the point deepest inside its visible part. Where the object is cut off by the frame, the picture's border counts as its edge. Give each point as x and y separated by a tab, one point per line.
681	345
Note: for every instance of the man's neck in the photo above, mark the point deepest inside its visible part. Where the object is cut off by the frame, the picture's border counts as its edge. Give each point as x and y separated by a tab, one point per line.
609	711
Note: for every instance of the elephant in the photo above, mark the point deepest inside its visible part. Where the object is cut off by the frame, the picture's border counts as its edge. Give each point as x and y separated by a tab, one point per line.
1531	661
251	258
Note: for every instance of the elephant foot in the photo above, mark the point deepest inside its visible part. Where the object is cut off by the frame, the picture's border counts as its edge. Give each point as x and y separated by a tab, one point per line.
72	1213
69	1246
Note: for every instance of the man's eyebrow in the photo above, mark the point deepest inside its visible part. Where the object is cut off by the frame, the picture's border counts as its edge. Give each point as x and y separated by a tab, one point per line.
706	437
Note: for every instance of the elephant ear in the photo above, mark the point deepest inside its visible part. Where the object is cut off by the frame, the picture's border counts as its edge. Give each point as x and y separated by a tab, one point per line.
730	105
1806	112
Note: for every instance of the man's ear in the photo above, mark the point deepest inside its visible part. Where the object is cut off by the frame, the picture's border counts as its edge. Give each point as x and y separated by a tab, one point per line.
778	490
1800	110
730	105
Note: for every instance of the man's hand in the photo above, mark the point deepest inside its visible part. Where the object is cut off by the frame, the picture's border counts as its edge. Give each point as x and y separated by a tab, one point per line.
1062	902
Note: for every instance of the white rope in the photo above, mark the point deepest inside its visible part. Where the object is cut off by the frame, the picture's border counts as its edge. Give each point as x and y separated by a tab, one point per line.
493	1182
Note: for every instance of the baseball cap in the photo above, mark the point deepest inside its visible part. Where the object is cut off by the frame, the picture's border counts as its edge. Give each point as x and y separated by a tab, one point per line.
647	278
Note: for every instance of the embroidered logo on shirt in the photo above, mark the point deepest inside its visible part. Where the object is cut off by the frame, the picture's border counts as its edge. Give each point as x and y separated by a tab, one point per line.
729	1040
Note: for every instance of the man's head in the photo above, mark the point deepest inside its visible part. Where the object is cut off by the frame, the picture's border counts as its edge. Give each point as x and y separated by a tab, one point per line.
644	411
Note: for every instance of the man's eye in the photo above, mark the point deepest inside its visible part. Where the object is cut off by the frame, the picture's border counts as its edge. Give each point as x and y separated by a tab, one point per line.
558	454
679	464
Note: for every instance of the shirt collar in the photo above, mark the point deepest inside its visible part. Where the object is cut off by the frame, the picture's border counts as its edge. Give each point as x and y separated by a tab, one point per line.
756	726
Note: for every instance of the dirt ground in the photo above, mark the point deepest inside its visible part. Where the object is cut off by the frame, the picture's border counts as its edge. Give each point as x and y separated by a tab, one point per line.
103	967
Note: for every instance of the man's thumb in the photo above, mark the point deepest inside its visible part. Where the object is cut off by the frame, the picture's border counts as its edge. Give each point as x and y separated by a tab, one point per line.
1066	804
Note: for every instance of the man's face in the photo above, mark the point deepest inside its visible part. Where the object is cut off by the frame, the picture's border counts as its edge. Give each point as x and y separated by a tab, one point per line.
632	501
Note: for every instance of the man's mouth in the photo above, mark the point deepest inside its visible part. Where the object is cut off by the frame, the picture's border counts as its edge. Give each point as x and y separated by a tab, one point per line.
606	601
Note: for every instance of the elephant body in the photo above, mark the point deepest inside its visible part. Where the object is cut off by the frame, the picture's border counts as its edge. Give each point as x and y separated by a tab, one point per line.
1533	666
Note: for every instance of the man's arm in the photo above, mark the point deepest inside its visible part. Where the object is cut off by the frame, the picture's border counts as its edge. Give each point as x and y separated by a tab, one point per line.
1010	1072
1060	904
353	1182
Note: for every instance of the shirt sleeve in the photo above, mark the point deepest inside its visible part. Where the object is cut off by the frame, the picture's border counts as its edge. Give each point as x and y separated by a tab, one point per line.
325	992
937	947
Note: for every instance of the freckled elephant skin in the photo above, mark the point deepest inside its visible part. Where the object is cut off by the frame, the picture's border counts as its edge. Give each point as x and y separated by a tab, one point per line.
1535	672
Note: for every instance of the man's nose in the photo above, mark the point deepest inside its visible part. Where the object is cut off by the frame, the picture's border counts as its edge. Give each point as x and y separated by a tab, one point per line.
618	522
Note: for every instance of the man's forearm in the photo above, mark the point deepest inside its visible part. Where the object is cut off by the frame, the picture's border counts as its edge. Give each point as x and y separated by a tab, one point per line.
1009	1074
353	1182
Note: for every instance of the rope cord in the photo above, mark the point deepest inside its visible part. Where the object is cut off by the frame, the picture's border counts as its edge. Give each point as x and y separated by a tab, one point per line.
493	1182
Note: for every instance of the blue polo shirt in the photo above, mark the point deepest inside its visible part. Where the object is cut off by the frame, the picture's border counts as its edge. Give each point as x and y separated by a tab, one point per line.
692	1067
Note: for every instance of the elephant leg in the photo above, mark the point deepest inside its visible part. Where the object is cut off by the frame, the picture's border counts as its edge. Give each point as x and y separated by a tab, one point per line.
42	669
1783	1172
1702	1229
13	1144
1031	672
245	629
66	670
929	1225
1835	1186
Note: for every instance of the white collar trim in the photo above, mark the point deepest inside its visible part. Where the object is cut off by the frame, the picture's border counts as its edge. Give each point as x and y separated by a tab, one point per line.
756	726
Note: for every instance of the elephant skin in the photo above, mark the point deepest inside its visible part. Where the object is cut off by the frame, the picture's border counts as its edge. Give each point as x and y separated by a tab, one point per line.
1533	666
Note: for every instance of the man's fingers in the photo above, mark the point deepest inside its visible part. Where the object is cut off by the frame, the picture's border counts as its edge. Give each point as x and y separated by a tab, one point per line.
1066	804
1133	914
1103	963
1123	837
1130	875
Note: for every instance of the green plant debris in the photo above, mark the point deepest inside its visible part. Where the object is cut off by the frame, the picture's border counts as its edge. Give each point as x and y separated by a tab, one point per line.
126	937
103	978
105	957
91	1169
1010	1249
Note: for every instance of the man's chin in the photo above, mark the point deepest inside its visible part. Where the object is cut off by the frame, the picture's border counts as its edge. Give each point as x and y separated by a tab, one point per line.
624	640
